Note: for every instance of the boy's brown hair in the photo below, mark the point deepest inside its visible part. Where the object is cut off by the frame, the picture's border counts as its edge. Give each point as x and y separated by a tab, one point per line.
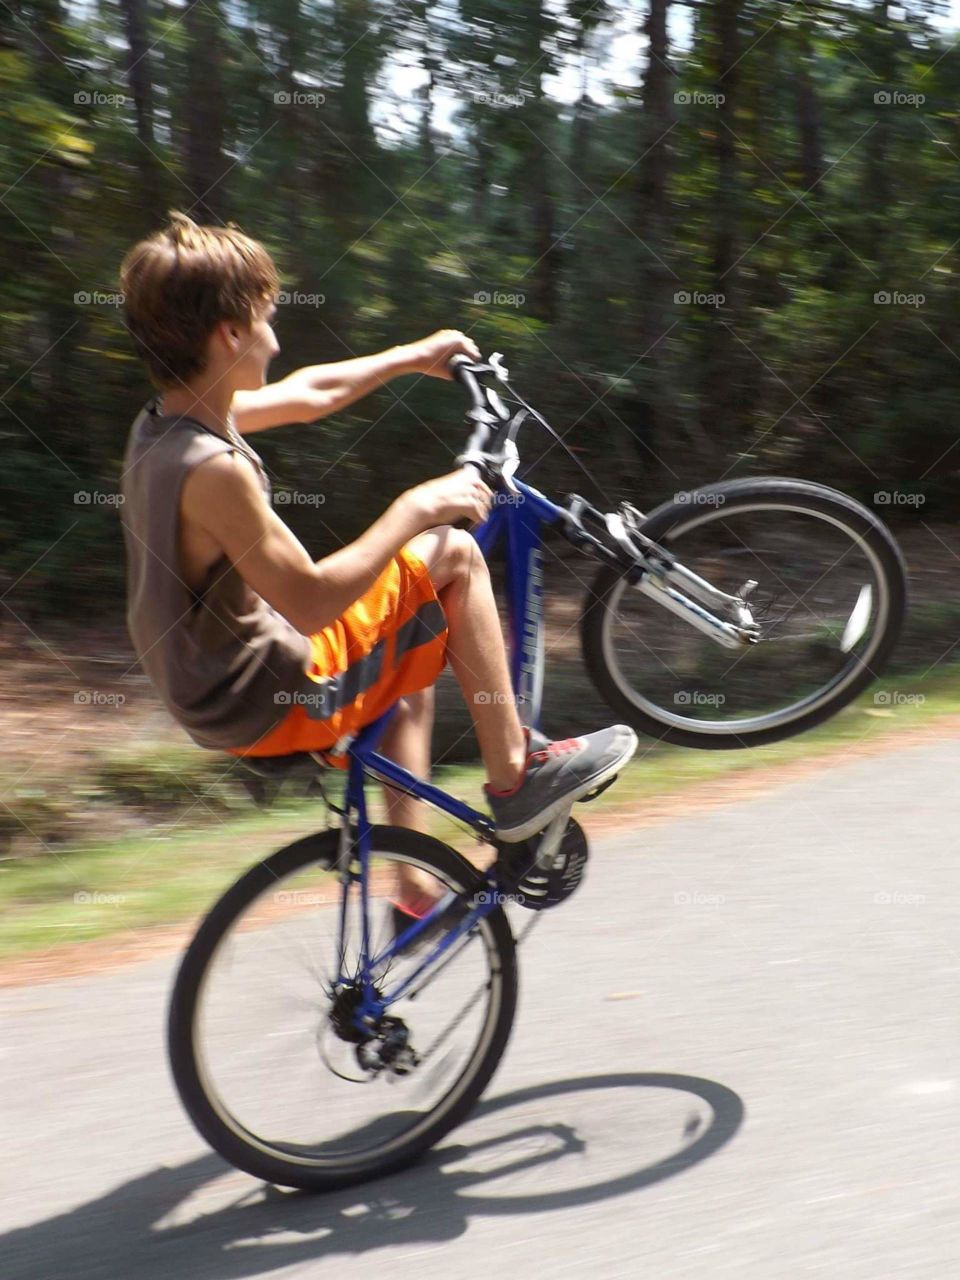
180	282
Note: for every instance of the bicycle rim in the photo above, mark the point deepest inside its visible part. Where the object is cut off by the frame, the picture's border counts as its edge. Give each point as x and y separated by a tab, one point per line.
274	1076
823	601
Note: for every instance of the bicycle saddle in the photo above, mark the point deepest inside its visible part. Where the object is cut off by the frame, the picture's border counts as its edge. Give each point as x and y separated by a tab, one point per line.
275	768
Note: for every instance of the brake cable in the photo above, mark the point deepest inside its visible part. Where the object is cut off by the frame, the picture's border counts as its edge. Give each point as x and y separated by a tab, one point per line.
560	441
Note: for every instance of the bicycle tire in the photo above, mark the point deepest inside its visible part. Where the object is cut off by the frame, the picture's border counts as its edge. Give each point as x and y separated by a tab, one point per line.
320	850
726	498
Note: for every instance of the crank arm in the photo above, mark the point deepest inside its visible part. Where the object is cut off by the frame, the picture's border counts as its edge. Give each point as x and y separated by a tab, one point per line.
551	837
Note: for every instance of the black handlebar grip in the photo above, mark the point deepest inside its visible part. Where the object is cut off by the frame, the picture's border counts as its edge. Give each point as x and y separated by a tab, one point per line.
461	374
465	522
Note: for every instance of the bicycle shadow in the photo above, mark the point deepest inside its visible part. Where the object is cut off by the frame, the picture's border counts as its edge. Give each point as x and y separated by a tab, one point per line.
117	1235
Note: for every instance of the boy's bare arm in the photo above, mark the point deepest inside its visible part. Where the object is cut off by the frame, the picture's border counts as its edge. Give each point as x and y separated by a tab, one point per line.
317	390
223	497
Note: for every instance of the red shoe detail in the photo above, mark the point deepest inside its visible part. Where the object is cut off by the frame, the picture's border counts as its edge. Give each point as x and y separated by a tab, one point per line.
561	748
418	909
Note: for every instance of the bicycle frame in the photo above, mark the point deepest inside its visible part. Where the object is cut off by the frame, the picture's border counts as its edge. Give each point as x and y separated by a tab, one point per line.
519	514
520	518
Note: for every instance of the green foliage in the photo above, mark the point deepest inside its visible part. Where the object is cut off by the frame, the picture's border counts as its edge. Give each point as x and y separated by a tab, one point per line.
758	163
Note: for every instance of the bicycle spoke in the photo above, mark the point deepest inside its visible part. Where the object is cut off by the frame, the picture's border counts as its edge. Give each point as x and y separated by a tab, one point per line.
305	1034
817	602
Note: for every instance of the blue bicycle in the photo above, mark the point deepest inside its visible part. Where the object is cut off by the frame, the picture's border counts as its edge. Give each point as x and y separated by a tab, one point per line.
314	1048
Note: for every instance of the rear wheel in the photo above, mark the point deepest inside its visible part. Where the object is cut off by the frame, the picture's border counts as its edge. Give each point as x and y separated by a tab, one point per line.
830	600
264	1055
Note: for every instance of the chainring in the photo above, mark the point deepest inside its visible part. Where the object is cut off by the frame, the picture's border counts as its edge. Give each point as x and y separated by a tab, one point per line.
538	888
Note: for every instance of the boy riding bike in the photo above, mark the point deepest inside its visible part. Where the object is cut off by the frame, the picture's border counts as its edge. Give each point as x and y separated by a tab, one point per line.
255	648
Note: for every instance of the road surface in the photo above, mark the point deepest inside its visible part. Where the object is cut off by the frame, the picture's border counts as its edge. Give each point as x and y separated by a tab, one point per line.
737	1055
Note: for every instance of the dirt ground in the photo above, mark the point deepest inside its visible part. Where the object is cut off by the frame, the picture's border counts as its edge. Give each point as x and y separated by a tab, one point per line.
65	695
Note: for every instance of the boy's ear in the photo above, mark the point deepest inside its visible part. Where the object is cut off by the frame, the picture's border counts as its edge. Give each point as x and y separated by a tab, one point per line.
226	333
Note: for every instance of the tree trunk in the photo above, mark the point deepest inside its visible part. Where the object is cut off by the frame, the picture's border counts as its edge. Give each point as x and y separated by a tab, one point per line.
878	143
809	124
141	88
206	165
536	116
722	411
654	277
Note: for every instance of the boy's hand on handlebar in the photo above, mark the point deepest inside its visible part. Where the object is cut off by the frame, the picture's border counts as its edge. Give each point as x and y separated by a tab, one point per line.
449	498
431	355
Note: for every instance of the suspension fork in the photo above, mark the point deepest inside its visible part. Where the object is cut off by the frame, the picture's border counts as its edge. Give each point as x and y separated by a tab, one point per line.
658	574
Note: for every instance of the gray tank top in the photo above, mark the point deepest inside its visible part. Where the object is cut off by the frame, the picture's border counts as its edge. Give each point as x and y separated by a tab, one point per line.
217	657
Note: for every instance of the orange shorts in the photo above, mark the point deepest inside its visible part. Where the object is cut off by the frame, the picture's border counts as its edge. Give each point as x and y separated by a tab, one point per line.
391	641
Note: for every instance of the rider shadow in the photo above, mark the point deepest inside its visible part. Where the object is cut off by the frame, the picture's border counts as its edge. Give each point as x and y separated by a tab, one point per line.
117	1234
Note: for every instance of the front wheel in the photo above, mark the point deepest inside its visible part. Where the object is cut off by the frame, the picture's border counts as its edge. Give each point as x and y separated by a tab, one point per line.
830	598
264	1050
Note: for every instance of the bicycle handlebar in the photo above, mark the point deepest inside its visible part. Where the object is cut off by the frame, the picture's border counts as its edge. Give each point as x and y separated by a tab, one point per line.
487	412
484	412
462	368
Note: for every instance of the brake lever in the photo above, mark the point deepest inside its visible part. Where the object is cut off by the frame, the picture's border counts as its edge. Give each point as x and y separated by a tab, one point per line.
498	367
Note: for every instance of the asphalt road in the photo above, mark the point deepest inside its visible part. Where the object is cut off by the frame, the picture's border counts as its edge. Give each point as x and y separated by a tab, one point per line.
736	1056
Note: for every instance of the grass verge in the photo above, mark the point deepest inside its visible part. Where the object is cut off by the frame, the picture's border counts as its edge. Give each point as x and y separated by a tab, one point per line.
170	874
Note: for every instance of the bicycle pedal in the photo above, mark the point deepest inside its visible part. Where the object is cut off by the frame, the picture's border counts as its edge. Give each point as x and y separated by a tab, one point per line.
598	791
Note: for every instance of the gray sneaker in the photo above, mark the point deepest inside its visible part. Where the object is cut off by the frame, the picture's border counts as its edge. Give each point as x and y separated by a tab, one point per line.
556	774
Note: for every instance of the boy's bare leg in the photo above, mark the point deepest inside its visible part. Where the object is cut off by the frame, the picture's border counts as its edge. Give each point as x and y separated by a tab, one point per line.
407	741
477	655
475	648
